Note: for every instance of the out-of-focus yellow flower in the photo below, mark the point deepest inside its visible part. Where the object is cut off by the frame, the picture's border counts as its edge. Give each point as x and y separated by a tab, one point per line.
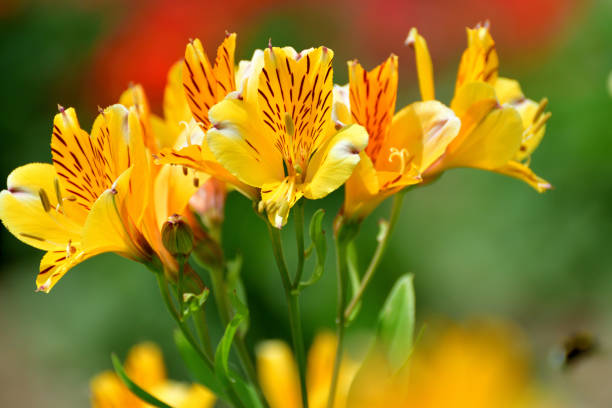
103	192
500	127
278	373
202	85
280	139
144	365
480	366
401	146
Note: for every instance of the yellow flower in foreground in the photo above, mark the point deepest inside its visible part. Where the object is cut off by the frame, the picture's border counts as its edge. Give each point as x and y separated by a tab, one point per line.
144	365
477	366
202	85
278	374
401	146
281	140
500	127
100	195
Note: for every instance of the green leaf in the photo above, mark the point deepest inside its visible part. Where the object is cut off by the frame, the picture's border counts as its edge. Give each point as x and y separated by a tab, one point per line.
317	237
192	302
225	344
395	332
135	389
197	367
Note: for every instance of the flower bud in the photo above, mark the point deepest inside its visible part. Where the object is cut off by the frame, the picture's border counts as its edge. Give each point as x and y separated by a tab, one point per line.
177	236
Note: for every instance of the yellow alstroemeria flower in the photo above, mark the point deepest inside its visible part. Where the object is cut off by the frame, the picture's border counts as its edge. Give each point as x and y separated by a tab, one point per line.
95	197
500	127
203	85
281	139
278	374
476	366
402	145
145	366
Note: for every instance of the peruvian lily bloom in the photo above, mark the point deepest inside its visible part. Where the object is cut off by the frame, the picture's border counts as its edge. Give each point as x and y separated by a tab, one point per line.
281	139
500	128
145	366
401	145
279	378
95	198
202	85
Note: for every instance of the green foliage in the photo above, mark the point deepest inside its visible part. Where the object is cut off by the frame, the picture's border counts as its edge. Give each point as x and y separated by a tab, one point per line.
395	331
319	242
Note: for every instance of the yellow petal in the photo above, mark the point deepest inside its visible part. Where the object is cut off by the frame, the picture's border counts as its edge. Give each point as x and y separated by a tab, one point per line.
333	164
135	97
176	108
173	189
472	93
198	397
341	108
55	264
145	365
423	64
238	144
372	100
479	62
319	372
491	144
109	228
108	391
522	172
278	198
205	84
361	188
278	375
424	129
47	227
508	90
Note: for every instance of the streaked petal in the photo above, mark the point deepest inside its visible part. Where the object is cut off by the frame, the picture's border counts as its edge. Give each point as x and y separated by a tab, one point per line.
278	375
238	144
372	100
361	189
205	84
522	172
479	62
333	164
423	64
55	264
45	226
278	198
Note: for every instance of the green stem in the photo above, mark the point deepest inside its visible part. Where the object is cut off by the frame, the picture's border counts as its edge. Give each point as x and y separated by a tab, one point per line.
298	217
163	287
378	254
293	308
223	305
199	320
180	284
341	272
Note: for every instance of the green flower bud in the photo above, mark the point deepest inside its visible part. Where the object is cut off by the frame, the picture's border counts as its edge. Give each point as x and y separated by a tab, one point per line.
177	236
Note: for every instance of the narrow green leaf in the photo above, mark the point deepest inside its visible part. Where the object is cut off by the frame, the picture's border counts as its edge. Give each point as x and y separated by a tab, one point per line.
317	237
225	344
196	366
135	389
395	331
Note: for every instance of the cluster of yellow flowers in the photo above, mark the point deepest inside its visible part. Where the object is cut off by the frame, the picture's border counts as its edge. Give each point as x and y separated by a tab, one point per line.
276	129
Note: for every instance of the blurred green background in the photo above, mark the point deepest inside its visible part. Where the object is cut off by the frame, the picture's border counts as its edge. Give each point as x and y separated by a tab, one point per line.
479	244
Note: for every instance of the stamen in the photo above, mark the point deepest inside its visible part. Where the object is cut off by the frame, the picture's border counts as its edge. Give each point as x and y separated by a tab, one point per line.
289	125
58	193
403	157
541	107
44	199
196	182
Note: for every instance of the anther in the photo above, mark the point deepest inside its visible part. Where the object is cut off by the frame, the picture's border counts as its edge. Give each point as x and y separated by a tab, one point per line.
61	109
44	199
289	125
185	171
196	182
